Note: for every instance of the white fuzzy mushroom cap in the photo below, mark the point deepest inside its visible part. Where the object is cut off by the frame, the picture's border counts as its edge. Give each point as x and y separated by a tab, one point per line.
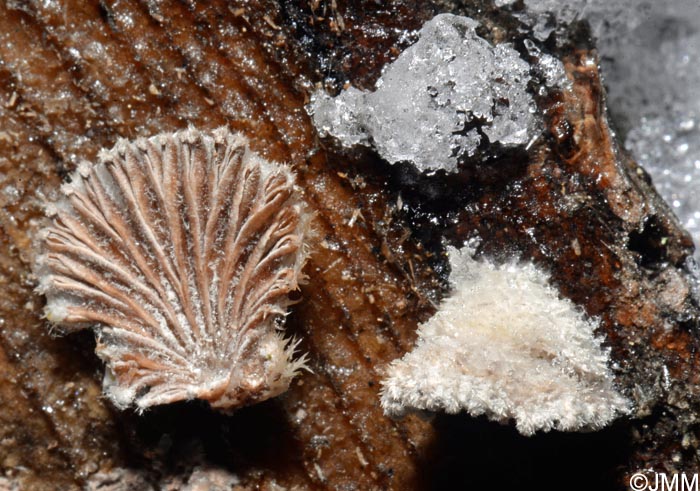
506	345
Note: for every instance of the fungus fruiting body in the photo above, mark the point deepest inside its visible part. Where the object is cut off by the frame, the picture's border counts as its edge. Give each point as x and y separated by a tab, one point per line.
504	344
180	250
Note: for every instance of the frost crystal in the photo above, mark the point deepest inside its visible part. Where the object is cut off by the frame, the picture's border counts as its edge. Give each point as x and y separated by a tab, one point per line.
437	101
180	250
551	69
504	344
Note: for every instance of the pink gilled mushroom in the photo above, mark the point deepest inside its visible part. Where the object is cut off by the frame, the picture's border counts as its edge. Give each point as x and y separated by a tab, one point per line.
180	250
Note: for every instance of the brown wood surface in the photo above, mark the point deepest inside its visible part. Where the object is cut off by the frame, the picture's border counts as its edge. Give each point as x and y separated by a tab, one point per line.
76	75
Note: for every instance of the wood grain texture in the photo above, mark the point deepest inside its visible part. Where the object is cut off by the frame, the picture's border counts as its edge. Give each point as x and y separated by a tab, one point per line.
76	75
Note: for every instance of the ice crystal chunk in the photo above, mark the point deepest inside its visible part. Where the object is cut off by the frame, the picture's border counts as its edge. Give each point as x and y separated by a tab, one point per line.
437	101
180	250
506	345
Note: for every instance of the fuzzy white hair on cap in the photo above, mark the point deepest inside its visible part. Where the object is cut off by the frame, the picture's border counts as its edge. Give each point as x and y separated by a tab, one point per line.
505	344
